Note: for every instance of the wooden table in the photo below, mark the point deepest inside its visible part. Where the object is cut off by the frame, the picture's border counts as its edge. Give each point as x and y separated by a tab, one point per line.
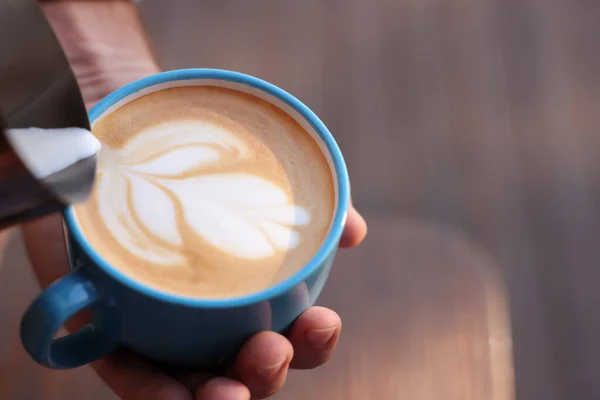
471	131
431	325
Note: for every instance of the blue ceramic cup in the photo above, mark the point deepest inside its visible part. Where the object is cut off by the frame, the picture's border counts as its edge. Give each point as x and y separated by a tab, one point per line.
168	328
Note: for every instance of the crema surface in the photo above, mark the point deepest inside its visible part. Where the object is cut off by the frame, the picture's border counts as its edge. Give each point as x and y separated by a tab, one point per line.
207	192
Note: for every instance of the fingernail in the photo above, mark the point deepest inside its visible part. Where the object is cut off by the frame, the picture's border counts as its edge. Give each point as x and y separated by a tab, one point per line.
320	337
268	373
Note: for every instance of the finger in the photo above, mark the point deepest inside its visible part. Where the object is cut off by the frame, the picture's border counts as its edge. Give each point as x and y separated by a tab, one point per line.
223	389
355	229
263	362
133	378
45	243
314	336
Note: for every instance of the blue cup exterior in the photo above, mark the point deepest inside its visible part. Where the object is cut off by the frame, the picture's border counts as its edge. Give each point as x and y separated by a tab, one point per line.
172	329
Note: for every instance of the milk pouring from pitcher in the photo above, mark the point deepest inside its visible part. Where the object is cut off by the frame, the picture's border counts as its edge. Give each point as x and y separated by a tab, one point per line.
47	152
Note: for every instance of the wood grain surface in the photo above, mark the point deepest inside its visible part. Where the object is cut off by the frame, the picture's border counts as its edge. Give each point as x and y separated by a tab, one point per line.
471	132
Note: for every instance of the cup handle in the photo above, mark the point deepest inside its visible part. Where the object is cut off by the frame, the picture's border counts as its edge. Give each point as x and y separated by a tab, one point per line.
49	312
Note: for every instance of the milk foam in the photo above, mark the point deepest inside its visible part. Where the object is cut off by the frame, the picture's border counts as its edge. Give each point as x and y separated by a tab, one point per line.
143	184
47	151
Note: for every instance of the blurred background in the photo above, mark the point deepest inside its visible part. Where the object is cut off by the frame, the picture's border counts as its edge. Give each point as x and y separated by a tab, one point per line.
471	129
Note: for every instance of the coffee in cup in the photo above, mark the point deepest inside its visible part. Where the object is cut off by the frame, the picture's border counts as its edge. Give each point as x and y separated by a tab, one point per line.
220	203
207	192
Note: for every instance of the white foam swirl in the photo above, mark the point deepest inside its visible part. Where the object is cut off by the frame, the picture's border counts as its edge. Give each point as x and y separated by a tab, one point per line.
144	187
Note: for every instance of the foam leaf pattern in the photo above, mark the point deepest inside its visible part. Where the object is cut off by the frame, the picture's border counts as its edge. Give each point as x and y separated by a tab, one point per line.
147	191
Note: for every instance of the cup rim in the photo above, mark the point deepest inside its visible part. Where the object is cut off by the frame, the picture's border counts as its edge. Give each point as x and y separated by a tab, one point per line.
329	244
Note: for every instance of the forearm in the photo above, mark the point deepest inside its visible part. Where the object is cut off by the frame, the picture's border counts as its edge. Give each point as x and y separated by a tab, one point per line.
105	43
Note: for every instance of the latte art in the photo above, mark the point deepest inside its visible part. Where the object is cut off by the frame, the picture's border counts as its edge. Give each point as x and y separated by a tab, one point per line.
239	213
207	192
